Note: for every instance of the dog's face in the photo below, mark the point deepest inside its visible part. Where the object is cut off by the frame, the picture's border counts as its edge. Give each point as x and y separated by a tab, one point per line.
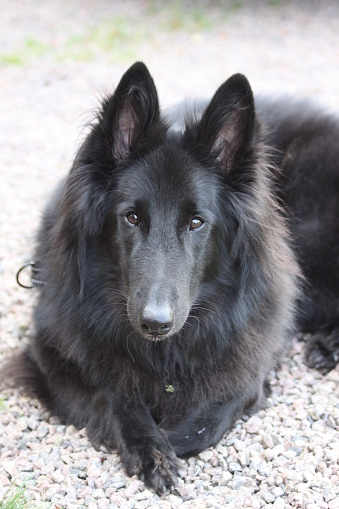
165	220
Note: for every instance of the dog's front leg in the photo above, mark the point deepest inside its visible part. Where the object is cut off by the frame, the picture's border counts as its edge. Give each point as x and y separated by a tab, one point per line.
143	447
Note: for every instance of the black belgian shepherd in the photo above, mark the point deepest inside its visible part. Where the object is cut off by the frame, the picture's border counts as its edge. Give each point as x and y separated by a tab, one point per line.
171	281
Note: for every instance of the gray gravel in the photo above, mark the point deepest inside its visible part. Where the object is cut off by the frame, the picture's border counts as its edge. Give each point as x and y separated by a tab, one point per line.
64	59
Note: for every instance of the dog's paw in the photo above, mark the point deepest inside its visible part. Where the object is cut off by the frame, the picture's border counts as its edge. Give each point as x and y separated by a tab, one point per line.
321	352
161	473
158	469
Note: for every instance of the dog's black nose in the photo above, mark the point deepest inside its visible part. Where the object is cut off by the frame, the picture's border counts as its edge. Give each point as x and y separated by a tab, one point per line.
157	320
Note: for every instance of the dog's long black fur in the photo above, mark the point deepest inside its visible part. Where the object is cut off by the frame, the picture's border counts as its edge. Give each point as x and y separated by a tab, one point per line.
307	153
171	285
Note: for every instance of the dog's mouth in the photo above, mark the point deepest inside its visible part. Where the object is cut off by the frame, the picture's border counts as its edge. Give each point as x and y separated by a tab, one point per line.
153	336
155	333
161	334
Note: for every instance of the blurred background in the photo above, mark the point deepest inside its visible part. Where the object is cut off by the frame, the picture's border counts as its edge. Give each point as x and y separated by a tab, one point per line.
190	46
58	57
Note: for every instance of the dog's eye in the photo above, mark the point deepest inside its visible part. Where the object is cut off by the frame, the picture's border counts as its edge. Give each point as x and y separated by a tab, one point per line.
196	223
132	218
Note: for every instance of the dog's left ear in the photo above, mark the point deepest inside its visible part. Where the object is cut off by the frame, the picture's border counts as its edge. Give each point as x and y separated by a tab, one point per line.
135	110
227	127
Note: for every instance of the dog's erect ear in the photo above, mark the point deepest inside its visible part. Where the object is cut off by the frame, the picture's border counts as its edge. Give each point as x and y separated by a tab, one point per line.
227	126
135	110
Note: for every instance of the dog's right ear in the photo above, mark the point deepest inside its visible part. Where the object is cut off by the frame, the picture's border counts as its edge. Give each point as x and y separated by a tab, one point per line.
133	111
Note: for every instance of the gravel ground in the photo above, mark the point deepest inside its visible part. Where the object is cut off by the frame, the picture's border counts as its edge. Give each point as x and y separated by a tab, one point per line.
56	59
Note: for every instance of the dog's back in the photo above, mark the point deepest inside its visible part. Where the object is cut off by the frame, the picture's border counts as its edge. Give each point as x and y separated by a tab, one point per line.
305	143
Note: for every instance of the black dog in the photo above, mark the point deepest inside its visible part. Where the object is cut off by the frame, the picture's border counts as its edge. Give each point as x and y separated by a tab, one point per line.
170	281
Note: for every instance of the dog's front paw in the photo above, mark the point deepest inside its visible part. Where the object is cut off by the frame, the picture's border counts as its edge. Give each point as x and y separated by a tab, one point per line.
157	468
160	472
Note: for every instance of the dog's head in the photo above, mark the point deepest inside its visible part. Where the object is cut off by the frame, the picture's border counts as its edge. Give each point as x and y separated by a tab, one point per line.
159	197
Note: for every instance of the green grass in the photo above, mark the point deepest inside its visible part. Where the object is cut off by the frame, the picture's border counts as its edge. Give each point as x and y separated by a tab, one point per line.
17	497
118	38
31	47
192	19
35	47
11	59
2	403
123	37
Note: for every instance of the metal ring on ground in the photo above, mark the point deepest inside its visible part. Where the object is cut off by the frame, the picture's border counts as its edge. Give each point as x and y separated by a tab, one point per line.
28	264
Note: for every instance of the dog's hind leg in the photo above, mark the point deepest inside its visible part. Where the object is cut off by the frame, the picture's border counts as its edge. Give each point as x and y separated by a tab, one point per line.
22	372
322	349
205	426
